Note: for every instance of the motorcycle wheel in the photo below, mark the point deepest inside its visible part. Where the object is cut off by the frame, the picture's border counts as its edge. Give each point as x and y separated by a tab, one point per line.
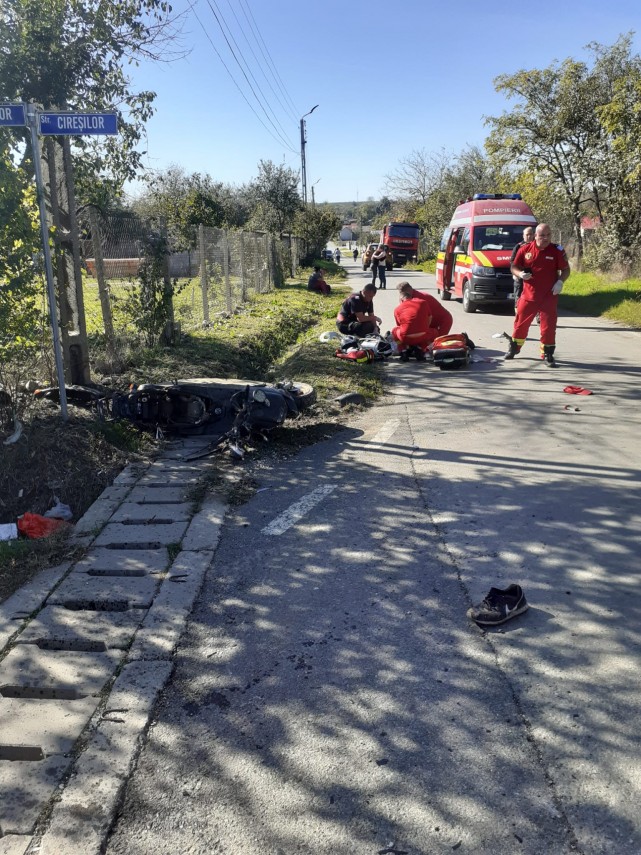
304	394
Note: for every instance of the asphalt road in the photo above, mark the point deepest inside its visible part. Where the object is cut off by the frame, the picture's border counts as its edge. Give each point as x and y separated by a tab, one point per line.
331	696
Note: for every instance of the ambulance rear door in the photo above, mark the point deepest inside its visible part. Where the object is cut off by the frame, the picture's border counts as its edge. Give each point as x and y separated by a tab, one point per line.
450	257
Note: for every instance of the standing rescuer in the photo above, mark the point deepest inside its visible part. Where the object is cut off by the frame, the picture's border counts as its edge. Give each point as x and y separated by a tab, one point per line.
543	267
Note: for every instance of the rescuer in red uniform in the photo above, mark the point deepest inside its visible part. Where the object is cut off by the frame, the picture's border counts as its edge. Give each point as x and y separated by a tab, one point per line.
543	267
421	319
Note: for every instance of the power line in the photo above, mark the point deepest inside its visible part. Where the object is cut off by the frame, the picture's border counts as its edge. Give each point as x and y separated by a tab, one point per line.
234	79
285	106
265	99
269	61
288	144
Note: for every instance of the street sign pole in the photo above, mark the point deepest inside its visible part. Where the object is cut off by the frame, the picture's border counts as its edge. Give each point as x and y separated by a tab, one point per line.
32	121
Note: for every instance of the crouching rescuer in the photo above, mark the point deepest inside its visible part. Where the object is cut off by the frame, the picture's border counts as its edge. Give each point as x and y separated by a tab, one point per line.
420	319
543	268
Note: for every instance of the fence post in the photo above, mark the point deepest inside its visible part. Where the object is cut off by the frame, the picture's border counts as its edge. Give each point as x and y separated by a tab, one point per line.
243	286
230	304
204	277
256	264
103	287
171	327
268	269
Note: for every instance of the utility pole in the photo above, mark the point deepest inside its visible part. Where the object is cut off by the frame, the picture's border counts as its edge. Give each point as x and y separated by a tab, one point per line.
303	170
313	199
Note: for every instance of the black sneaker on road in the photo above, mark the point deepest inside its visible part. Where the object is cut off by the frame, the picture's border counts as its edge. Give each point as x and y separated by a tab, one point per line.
501	604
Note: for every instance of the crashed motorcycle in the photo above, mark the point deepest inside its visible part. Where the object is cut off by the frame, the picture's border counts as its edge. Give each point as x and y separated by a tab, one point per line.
232	410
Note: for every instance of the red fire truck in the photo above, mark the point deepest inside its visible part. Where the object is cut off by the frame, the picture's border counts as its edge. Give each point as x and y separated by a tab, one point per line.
401	240
474	259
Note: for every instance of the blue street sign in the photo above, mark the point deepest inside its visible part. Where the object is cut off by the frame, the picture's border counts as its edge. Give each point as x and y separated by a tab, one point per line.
12	115
78	124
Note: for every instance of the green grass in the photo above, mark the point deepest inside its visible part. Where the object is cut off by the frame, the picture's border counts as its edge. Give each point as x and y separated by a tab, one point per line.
272	336
595	295
427	266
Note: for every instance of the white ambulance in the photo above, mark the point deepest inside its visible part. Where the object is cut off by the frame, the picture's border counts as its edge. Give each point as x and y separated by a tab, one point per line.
473	263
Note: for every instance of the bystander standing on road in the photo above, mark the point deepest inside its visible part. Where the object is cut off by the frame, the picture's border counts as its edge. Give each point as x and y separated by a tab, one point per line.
378	264
543	268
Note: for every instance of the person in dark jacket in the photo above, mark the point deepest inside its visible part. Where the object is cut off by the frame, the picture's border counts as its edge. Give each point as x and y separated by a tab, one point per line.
356	315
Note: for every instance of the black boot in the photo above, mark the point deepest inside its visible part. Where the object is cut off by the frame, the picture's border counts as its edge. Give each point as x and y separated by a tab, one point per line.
548	355
513	349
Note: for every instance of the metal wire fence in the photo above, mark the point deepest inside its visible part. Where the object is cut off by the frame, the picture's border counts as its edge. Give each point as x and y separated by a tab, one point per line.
219	272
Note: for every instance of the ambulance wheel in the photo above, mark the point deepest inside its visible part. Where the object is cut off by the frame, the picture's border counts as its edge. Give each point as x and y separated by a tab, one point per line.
468	305
445	295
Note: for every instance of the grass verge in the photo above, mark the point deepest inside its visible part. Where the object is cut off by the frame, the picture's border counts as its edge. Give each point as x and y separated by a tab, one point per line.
595	295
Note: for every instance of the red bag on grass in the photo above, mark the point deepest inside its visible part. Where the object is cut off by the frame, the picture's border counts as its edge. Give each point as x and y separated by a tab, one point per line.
34	525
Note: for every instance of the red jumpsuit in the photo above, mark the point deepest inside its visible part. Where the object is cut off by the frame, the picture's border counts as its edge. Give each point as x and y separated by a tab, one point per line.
537	293
420	320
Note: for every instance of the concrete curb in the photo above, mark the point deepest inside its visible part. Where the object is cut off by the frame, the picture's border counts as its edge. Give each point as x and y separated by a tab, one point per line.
87	807
72	803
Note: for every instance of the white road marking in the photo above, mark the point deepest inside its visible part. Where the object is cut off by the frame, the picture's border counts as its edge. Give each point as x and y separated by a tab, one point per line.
386	432
298	510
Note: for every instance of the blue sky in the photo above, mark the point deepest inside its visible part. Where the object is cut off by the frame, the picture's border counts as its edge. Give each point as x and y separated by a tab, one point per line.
388	78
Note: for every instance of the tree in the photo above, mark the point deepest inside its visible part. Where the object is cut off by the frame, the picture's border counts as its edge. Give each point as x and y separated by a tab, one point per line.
274	194
183	201
620	237
415	175
69	55
556	131
316	226
21	321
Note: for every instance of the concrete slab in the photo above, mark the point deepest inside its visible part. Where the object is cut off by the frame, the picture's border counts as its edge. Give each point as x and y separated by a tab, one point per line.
164	623
51	724
81	819
14	844
152	536
138	591
101	510
71	629
204	529
169	478
25	788
158	495
130	474
181	453
170	464
123	562
31	597
27	670
147	513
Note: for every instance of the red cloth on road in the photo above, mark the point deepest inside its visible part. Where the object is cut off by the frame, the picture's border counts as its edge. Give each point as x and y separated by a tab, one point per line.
420	320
